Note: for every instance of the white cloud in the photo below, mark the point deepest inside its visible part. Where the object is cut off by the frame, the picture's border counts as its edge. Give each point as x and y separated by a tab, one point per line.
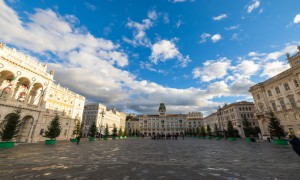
166	18
297	19
255	54
220	17
139	34
273	68
165	50
215	38
253	5
204	36
90	6
178	23
212	69
232	27
177	1
246	68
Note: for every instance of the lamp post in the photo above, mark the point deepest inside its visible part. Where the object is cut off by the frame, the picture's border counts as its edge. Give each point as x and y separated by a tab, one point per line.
102	115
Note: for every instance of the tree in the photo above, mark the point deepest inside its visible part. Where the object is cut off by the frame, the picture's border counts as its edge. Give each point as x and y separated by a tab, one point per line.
137	133
256	131
106	131
230	129
78	127
217	131
54	129
198	131
120	132
10	126
202	131
208	129
248	130
275	128
93	129
133	133
125	132
115	131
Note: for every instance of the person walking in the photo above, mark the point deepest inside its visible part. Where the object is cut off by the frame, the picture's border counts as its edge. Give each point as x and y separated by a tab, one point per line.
295	142
78	138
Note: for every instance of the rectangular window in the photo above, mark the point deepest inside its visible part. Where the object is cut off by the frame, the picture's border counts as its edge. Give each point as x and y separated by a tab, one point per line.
292	102
274	106
261	107
269	93
277	90
282	104
65	132
42	132
296	83
286	86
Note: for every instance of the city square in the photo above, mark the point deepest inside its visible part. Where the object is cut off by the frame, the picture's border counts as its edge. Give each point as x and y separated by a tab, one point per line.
143	158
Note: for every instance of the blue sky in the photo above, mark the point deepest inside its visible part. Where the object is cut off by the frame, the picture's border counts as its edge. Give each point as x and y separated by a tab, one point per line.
194	55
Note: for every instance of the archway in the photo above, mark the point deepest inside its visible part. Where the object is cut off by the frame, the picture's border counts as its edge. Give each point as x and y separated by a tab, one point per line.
25	127
6	84
35	94
21	89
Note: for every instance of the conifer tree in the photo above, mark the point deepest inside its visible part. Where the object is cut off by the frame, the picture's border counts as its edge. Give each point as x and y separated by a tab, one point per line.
198	130
130	132
54	129
10	126
230	129
275	128
202	131
248	130
115	131
77	128
120	132
217	131
106	131
93	129
208	130
125	132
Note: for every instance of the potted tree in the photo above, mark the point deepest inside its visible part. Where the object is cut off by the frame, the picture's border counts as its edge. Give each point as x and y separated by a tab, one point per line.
77	129
209	134
217	132
10	129
125	133
198	131
248	130
92	132
114	133
120	133
106	131
53	131
202	132
231	131
276	130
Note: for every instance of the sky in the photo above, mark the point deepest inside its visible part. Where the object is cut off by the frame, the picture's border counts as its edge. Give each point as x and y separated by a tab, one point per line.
193	55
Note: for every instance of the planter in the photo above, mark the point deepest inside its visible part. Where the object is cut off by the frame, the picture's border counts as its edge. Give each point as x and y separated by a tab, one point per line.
120	137
218	138
125	137
7	144
208	137
232	139
91	139
73	140
280	141
248	139
203	137
50	142
105	138
114	137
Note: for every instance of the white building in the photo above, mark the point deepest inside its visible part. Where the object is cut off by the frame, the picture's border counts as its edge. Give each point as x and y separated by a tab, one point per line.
102	116
26	84
280	94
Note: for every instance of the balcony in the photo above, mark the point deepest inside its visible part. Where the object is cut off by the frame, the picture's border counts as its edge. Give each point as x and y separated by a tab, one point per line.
17	104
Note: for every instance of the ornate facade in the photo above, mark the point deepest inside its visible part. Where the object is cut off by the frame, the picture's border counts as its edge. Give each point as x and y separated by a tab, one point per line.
163	123
96	112
26	84
235	113
280	94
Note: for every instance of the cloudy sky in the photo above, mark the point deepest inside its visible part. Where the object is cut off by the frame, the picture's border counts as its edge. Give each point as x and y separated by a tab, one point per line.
194	55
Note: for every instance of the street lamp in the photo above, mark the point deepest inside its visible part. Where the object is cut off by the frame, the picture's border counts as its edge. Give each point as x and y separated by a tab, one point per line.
102	115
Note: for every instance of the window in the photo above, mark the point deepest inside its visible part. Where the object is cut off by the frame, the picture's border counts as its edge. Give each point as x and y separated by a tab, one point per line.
258	96
42	132
277	90
292	102
269	93
274	106
286	86
51	95
282	104
261	107
65	132
296	83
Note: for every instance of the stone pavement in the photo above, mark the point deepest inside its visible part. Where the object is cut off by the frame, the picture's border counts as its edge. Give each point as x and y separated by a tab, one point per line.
150	159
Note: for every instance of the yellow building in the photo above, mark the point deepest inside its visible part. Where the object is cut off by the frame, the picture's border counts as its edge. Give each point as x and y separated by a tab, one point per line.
280	94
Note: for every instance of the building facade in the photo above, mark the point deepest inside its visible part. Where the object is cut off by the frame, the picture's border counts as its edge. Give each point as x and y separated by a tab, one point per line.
234	112
280	94
25	84
102	116
163	123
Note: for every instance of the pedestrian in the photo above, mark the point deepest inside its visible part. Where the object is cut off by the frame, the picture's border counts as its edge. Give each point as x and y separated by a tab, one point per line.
295	142
269	139
78	138
252	139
